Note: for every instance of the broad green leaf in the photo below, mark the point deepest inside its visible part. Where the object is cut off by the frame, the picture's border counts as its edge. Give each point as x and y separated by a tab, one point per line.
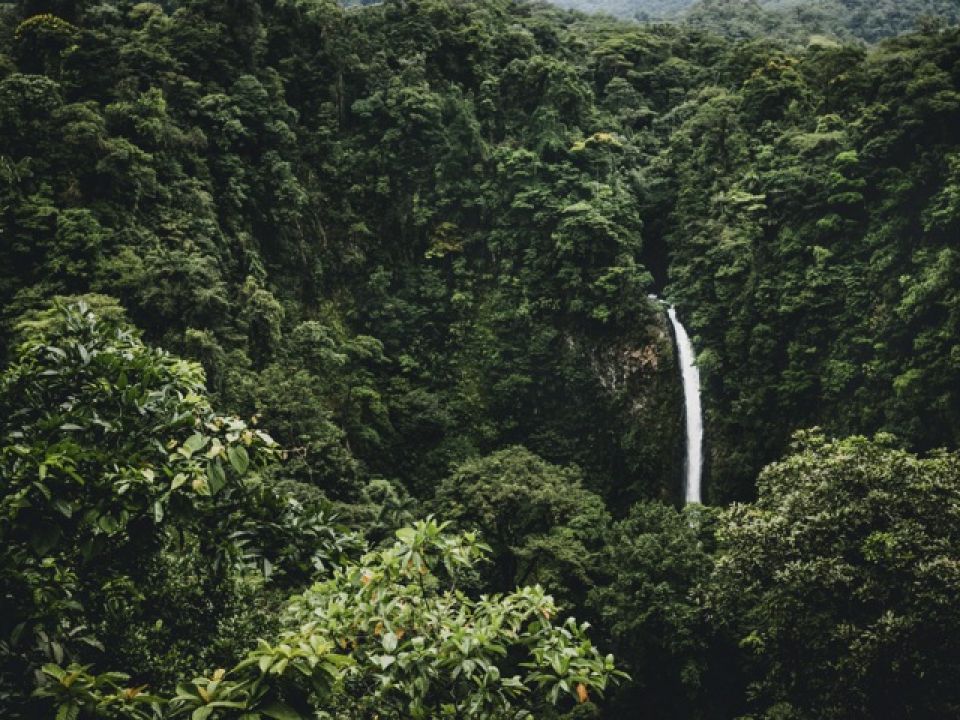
406	535
216	476
238	458
195	443
280	711
70	711
390	641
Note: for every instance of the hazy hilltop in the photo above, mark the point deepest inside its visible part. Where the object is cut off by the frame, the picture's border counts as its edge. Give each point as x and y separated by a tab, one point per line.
632	9
848	19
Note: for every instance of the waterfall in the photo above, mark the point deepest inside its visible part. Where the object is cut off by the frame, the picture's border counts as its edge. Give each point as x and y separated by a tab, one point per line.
693	411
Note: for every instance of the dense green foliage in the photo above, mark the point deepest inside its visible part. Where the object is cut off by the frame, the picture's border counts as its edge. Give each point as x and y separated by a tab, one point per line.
129	512
421	648
540	522
411	245
819	257
325	194
645	599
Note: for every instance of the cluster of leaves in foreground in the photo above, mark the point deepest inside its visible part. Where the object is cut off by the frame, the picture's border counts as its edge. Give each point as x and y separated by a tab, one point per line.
112	449
113	464
390	636
425	649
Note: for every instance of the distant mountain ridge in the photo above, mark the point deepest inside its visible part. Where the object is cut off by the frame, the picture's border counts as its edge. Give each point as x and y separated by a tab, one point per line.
869	20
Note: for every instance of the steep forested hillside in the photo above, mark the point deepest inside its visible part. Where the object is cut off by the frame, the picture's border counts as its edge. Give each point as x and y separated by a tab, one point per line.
345	200
813	233
329	327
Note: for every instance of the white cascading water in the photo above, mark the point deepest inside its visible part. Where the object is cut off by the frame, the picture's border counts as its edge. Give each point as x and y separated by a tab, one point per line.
693	411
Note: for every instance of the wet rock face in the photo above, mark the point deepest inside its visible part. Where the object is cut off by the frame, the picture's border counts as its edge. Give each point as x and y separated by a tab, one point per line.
641	377
621	364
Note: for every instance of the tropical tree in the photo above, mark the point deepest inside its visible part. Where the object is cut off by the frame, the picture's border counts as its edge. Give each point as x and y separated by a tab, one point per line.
839	582
114	465
647	602
540	522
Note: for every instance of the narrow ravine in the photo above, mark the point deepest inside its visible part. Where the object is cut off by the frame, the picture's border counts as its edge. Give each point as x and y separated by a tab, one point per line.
693	464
